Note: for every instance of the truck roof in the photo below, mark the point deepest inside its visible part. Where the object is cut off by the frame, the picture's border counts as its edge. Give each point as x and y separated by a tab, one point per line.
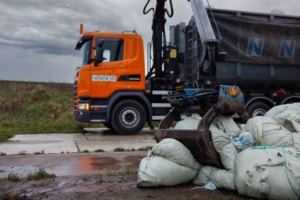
111	34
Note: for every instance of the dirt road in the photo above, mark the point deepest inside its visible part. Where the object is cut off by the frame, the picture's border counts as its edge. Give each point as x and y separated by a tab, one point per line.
106	175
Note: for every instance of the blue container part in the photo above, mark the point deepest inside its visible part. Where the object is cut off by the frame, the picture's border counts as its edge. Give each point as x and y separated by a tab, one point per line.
231	93
190	92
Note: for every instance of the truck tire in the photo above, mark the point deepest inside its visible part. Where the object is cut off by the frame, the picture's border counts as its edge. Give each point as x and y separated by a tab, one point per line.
128	117
258	109
289	99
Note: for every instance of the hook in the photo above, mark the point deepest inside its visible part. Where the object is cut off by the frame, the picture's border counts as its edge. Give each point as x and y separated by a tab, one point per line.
172	10
147	11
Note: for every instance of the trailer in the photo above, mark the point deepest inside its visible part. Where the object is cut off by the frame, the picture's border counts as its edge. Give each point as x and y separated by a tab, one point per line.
259	52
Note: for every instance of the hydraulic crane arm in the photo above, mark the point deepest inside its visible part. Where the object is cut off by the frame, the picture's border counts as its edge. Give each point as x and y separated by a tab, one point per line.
158	33
204	26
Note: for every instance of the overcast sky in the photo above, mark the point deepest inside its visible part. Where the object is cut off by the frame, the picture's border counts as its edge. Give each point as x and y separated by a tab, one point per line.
37	37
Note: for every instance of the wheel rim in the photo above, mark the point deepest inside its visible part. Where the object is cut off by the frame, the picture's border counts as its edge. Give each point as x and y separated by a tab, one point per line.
258	112
129	117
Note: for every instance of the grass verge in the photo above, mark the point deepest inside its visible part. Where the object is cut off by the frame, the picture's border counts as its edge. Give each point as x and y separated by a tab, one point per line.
37	109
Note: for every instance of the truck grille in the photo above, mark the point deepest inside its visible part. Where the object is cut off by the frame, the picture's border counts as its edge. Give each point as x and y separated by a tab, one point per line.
75	89
74	93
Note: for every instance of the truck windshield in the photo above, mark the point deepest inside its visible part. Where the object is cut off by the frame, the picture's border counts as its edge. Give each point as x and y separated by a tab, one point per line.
85	44
86	53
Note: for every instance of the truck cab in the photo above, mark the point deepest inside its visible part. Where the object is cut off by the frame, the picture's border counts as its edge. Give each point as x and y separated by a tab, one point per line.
109	86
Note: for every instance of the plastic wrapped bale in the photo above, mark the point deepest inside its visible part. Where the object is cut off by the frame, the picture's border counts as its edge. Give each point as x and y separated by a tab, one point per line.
267	131
169	163
268	173
287	115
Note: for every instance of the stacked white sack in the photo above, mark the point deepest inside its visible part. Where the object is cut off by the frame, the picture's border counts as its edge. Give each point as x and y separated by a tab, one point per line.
288	115
267	131
262	167
169	163
268	173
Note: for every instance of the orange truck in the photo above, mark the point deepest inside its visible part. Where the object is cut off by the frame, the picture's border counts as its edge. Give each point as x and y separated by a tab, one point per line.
110	86
257	52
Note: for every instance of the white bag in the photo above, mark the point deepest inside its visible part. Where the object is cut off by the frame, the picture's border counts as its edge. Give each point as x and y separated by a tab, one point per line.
267	131
268	173
175	151
169	163
287	115
155	171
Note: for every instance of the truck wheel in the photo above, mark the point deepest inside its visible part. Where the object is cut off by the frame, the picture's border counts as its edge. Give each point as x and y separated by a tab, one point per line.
128	117
289	99
258	109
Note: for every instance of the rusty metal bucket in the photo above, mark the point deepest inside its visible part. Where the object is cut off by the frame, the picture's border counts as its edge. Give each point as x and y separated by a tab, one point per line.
199	141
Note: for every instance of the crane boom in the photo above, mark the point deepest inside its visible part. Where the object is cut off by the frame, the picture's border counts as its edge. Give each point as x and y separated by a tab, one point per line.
160	49
158	33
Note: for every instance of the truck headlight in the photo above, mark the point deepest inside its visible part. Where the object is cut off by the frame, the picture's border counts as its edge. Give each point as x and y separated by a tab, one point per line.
83	106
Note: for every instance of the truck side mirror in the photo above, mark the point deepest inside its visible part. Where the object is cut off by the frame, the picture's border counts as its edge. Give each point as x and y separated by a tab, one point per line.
99	52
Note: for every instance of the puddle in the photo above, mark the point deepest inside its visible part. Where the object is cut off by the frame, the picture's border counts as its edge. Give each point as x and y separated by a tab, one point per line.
69	164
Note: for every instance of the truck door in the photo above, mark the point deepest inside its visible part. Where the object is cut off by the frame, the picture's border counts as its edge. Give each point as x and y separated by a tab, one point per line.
105	72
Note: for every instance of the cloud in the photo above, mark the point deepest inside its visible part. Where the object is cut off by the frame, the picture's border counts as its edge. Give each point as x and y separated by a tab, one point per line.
37	38
45	28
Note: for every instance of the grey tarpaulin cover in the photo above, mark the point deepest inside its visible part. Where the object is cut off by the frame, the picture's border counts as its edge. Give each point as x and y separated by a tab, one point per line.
258	38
